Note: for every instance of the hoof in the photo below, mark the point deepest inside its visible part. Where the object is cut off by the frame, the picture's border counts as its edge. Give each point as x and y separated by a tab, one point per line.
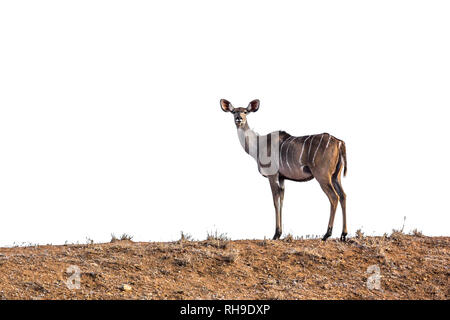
327	235
344	237
277	235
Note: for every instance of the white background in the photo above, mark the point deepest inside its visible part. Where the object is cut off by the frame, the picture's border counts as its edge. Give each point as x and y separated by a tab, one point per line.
110	119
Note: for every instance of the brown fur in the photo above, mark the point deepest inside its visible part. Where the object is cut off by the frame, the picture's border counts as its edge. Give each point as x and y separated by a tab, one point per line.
320	156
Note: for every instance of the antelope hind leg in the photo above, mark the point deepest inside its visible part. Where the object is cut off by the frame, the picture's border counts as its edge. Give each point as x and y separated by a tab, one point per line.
327	187
336	178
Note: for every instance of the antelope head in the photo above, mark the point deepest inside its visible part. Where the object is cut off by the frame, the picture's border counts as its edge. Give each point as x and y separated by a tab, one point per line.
239	114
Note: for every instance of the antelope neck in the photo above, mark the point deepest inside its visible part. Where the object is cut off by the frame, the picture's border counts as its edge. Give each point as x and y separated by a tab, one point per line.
248	139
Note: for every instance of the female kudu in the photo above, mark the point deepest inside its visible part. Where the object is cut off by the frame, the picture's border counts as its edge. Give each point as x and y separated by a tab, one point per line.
320	156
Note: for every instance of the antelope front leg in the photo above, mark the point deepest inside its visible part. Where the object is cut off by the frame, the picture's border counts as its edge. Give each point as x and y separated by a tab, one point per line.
277	186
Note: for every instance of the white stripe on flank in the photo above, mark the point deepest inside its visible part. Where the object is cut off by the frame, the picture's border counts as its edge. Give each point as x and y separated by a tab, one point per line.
310	145
329	138
287	152
303	147
281	149
321	137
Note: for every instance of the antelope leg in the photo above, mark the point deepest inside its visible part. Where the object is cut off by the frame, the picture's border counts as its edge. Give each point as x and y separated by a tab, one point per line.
327	187
277	186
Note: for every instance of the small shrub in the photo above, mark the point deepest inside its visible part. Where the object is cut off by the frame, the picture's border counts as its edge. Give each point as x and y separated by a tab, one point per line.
289	238
123	237
396	234
217	236
359	234
185	236
126	236
218	240
417	233
113	238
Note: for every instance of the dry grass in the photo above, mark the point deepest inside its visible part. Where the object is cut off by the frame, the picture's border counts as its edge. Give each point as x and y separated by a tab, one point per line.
216	235
359	234
288	238
411	267
185	236
123	237
417	233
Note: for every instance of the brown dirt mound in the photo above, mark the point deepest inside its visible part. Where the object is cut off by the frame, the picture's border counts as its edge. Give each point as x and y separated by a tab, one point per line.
410	267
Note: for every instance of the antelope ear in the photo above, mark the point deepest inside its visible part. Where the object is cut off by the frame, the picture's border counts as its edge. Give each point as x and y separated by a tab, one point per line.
226	105
253	106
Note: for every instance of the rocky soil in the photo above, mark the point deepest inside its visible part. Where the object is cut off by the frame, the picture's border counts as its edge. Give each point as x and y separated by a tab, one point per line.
390	267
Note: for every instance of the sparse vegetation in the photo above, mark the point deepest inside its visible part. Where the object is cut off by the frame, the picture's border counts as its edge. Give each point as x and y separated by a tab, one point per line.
411	267
288	238
113	238
185	236
217	236
126	237
123	237
217	240
396	234
417	233
359	234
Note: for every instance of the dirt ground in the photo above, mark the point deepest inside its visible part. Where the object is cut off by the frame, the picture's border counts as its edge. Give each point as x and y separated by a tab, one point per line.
390	267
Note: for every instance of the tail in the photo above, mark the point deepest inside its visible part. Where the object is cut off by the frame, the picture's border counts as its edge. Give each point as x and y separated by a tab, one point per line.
343	154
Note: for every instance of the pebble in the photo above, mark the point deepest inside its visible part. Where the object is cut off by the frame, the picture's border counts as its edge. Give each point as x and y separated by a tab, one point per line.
125	287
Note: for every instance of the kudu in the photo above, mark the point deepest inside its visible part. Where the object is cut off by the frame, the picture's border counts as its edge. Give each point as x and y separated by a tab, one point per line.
319	156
